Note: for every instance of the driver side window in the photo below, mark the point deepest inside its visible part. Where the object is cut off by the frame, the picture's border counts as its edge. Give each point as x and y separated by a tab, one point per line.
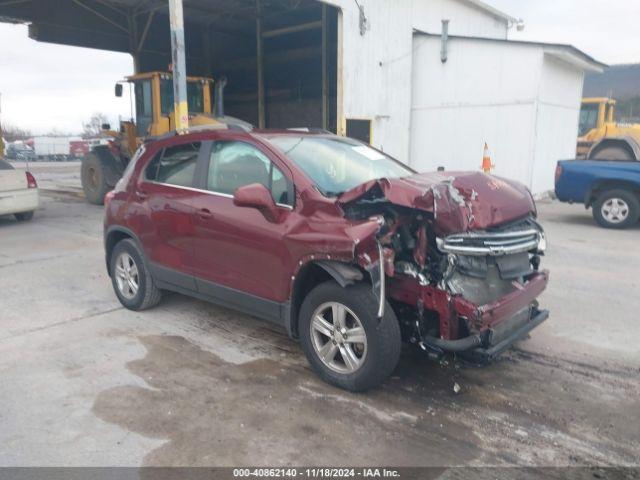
235	164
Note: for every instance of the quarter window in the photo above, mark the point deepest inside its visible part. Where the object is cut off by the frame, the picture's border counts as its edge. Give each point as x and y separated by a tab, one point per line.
236	164
175	165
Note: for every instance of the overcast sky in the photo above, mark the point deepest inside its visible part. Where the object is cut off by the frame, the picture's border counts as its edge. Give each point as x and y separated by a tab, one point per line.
605	29
47	86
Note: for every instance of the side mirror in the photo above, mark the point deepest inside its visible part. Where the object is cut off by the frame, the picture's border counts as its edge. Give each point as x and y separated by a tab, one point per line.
257	196
118	89
105	126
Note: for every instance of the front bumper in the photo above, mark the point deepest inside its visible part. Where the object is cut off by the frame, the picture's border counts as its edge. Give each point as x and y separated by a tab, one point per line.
481	317
19	201
494	349
493	327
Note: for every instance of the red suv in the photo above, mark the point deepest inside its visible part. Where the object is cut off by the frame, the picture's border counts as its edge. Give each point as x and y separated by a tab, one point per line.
349	250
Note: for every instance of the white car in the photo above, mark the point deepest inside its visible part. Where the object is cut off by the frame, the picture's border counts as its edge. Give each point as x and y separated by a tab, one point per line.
18	192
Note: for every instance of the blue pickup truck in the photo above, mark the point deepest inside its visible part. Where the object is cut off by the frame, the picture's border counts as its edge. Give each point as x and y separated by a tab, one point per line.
610	187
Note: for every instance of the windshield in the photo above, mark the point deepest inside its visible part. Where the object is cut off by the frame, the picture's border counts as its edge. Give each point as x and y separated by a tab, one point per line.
195	98
337	164
588	118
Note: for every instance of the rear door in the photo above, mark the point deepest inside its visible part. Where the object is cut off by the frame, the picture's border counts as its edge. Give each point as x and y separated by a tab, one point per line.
164	191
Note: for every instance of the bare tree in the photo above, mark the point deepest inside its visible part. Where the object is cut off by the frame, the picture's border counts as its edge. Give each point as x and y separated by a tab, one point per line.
11	133
56	132
93	127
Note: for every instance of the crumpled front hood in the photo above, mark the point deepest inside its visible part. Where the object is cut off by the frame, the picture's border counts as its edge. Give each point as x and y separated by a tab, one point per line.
459	201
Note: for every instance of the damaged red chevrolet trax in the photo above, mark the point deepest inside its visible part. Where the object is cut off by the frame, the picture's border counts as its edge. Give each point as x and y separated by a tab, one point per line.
349	250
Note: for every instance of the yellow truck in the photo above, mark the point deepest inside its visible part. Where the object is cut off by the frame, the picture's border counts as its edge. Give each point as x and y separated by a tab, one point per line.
600	137
152	94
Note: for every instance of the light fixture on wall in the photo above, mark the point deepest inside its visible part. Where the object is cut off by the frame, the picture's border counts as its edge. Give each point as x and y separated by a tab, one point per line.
519	24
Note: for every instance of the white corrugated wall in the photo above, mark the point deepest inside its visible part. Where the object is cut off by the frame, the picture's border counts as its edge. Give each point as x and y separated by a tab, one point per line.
377	65
523	103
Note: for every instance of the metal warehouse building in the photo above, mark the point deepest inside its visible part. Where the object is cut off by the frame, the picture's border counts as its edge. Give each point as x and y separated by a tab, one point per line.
385	71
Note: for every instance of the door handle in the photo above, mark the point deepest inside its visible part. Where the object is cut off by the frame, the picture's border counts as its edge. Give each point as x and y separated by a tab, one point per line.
205	214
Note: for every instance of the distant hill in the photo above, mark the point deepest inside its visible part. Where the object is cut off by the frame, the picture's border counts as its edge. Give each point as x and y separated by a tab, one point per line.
621	81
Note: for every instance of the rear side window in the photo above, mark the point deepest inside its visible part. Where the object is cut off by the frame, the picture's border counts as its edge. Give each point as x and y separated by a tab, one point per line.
174	165
4	165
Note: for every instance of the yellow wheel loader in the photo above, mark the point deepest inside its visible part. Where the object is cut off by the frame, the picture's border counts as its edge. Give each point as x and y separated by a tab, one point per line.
152	92
600	137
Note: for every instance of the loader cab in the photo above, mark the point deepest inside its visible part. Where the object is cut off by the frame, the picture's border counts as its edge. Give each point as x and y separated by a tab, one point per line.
153	94
594	113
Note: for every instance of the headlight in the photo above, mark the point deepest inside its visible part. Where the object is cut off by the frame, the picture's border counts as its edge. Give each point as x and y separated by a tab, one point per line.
542	242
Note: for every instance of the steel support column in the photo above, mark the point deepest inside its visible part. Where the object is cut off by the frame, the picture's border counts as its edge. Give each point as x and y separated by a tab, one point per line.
260	66
181	108
325	69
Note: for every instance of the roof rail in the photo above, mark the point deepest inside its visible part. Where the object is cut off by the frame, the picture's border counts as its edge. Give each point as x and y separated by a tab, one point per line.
226	123
310	130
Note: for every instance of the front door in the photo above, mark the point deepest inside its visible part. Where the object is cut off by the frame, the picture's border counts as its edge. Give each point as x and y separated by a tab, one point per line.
144	107
164	191
237	248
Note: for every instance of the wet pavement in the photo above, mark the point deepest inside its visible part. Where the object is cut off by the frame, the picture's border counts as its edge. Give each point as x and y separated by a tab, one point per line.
85	382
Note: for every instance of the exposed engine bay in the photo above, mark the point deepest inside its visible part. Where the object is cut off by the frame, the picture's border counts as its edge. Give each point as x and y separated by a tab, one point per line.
458	291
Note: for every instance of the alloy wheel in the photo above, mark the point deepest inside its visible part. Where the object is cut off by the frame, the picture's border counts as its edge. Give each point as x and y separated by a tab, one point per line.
338	337
127	277
615	210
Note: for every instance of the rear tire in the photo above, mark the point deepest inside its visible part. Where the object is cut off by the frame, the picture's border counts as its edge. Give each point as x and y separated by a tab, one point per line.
369	361
612	153
24	216
616	209
94	180
131	280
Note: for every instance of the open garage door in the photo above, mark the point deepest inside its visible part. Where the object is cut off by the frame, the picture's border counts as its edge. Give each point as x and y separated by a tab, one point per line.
280	56
299	69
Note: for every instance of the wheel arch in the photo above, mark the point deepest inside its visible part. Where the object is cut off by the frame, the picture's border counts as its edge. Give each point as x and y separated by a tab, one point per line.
112	237
312	274
628	143
610	184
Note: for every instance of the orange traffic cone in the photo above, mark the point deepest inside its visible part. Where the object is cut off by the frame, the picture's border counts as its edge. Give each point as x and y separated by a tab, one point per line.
487	166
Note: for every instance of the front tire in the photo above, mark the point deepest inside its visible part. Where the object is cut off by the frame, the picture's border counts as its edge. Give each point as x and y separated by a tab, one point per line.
24	216
616	209
94	179
343	339
131	280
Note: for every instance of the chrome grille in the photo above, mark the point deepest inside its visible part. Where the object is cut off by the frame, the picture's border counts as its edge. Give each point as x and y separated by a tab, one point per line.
492	243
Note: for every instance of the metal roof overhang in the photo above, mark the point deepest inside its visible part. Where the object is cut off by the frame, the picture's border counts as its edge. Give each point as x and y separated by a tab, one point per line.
566	53
141	27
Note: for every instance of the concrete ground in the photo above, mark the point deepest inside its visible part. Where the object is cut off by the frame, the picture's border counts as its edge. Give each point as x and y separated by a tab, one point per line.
84	382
